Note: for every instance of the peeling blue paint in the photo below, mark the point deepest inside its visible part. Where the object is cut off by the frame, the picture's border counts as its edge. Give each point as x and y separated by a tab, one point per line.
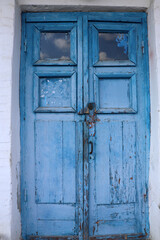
122	41
84	169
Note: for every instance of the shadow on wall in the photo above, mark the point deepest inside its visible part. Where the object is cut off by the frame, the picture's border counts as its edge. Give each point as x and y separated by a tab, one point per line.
2	237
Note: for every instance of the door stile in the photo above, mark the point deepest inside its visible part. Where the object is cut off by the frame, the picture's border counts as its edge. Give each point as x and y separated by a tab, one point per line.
92	118
80	129
86	127
85	64
145	58
80	66
86	182
22	120
79	140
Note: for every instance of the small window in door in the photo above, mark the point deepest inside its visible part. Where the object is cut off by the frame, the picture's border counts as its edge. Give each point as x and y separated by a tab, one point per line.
113	46
55	45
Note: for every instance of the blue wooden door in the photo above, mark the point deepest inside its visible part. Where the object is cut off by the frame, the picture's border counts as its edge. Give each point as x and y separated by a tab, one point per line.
84	126
118	127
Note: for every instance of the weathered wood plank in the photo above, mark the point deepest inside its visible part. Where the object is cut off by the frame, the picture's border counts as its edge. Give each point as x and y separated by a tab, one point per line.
69	162
48	161
115	162
129	162
102	163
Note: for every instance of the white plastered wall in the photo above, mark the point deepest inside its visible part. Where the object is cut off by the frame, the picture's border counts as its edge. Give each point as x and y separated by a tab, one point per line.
10	32
9	118
154	173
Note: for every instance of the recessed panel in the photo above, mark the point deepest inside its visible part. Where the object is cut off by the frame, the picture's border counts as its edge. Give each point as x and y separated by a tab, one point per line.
115	177
113	46
55	92
115	166
114	93
55	162
55	45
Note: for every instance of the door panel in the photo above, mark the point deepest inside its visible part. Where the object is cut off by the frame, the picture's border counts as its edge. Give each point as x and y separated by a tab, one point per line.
115	92
115	165
115	178
55	162
55	92
84	126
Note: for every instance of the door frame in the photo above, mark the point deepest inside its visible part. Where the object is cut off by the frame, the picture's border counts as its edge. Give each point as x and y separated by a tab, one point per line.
105	16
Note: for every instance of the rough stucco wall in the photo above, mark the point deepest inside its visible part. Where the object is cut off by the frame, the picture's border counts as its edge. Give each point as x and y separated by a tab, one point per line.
154	176
15	128
83	5
6	41
135	3
90	3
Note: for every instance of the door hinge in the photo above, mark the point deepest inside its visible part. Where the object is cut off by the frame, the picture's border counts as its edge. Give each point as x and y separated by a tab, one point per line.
145	195
142	46
25	46
25	195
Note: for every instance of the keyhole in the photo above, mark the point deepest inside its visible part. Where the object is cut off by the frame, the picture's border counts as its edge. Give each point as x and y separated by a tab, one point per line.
91	105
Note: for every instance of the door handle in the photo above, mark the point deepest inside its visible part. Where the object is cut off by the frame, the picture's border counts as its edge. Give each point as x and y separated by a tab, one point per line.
91	147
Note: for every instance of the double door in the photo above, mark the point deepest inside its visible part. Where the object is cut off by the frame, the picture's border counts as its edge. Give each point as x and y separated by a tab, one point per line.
84	126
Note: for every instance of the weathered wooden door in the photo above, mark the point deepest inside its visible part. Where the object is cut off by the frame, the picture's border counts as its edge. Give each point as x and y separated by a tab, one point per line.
84	126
